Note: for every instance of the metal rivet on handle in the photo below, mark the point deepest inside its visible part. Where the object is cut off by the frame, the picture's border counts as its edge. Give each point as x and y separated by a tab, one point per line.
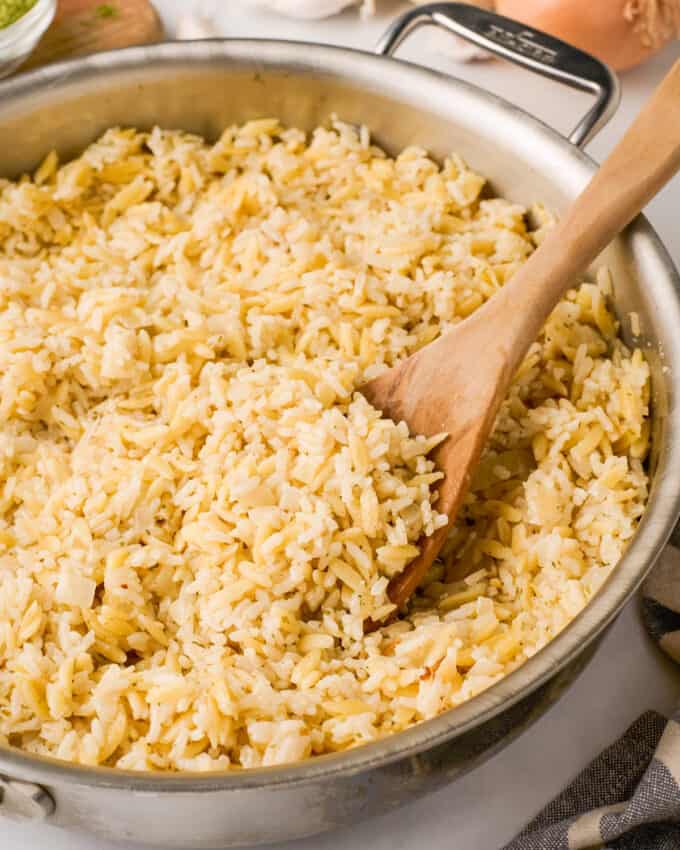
24	800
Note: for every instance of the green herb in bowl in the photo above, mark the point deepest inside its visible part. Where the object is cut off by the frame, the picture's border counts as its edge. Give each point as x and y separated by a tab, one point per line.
12	10
22	25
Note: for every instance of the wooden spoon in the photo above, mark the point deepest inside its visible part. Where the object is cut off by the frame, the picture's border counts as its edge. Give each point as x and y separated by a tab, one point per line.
457	383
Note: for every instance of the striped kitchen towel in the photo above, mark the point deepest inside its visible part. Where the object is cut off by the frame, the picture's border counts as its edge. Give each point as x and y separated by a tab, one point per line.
628	798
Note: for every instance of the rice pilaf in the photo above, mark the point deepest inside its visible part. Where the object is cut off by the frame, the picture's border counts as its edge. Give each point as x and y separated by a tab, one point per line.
198	511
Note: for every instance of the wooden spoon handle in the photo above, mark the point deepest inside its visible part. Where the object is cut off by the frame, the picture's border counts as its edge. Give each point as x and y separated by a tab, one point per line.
643	161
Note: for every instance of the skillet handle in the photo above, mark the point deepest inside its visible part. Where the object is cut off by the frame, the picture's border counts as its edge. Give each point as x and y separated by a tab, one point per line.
532	49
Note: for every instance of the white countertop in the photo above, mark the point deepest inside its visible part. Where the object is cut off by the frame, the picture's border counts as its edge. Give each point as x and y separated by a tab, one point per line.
628	675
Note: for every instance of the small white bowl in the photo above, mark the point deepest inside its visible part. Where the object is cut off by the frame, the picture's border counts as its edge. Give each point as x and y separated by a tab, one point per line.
18	40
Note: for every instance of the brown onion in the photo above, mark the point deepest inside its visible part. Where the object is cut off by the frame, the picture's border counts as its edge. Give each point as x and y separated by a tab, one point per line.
622	33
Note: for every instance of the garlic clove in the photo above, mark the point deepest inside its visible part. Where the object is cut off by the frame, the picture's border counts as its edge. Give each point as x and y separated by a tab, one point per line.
306	9
453	46
194	27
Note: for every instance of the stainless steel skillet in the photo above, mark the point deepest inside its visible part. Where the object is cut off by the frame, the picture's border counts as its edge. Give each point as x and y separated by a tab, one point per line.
202	86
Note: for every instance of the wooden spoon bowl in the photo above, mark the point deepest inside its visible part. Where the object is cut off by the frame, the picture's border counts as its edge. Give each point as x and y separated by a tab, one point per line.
457	383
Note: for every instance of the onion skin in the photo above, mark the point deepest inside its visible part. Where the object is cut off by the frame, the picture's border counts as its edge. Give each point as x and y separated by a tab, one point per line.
596	26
